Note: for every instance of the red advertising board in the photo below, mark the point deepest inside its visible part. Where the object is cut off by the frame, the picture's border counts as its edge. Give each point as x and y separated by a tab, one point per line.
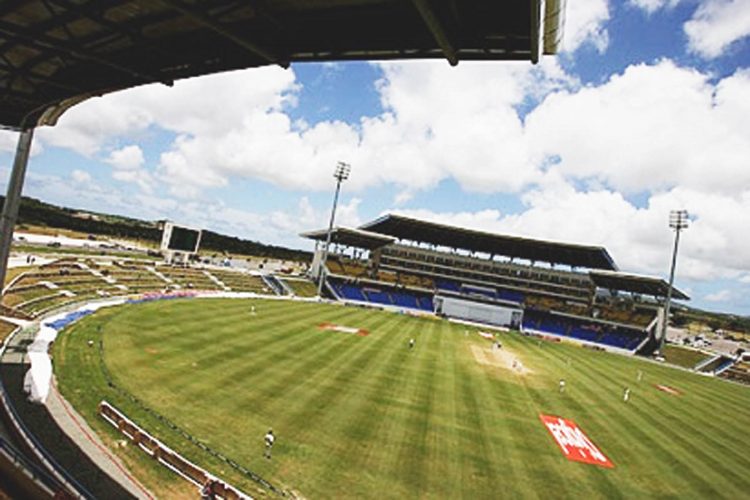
573	442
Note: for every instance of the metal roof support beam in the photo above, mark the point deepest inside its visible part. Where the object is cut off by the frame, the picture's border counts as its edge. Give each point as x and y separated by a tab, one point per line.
28	75
437	29
44	26
225	31
13	198
60	46
537	30
94	12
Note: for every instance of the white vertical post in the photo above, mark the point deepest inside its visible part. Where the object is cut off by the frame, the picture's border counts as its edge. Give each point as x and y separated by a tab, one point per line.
341	174
678	220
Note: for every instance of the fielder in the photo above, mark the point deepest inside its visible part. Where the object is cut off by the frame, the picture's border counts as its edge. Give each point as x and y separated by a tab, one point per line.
562	385
269	440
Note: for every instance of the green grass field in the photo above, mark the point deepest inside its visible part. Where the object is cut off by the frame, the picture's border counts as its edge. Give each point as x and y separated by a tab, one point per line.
366	417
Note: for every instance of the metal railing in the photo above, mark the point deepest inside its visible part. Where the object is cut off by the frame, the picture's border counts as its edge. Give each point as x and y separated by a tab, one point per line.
58	472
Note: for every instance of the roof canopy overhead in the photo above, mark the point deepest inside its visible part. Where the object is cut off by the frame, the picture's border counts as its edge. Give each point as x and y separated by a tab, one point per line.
405	228
635	283
351	237
55	53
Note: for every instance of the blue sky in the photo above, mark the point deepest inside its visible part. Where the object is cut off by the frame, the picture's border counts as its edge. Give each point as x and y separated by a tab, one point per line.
646	110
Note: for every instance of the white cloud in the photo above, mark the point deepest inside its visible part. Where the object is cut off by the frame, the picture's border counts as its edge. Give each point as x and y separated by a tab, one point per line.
585	22
720	296
280	227
80	176
183	109
243	130
127	158
651	6
652	127
716	25
127	163
8	141
638	239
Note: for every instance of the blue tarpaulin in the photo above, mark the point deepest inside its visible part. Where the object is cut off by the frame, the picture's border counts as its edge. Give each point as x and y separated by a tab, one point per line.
68	319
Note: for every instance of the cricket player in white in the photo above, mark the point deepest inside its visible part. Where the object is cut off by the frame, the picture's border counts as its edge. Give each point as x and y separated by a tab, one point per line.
269	439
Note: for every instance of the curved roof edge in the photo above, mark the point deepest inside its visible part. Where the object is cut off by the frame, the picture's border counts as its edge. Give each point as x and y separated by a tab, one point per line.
574	255
351	237
635	283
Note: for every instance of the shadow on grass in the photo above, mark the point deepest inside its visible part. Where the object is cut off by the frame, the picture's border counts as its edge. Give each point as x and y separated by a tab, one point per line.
38	420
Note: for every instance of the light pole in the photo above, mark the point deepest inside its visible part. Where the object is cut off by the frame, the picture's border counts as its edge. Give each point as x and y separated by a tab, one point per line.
340	174
678	220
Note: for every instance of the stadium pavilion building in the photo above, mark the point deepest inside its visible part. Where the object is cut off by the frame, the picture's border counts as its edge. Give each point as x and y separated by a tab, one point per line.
543	287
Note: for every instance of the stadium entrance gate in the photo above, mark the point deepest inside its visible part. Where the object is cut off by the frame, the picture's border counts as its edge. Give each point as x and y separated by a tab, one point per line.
480	312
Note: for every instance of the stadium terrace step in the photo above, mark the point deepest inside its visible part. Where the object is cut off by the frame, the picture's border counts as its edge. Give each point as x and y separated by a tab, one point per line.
709	362
275	284
216	280
301	287
160	275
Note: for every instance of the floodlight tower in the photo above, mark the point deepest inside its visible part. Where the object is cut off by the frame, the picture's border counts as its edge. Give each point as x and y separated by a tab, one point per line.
678	220
340	174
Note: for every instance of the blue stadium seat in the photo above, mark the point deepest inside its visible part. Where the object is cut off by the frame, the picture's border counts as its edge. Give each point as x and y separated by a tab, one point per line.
579	329
449	285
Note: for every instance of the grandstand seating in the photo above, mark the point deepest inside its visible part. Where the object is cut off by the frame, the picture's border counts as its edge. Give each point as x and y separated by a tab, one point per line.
349	292
493	293
473	290
54	285
626	316
389	296
343	266
241	282
335	267
426	303
449	285
414	280
739	372
70	280
387	276
404	300
624	313
377	296
301	287
581	329
354	268
188	278
466	268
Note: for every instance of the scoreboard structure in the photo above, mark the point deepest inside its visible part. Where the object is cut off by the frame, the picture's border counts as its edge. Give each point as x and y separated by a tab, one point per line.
179	243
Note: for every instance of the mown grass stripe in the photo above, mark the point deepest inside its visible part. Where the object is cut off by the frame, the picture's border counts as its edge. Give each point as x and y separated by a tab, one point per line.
364	417
689	469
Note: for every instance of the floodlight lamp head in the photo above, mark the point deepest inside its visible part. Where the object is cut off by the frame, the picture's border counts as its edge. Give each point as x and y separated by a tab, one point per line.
342	171
678	219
